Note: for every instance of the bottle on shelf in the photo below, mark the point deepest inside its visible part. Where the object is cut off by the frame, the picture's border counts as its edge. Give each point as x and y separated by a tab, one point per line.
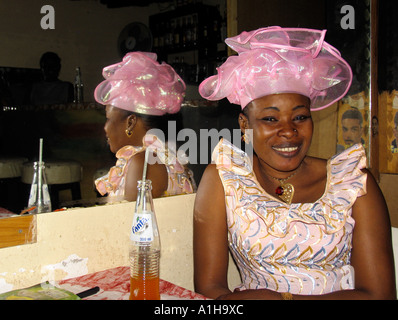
161	37
171	34
78	87
205	35
177	35
183	33
216	35
144	251
194	32
182	69
189	32
156	38
168	36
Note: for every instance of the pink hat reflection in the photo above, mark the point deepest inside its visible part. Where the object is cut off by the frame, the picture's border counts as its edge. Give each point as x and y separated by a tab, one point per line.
280	60
140	84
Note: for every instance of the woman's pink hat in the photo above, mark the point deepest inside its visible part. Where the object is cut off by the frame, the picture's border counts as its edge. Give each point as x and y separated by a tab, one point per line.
140	84
280	60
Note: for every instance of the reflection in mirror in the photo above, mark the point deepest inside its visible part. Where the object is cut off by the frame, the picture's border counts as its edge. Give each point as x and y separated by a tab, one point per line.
74	132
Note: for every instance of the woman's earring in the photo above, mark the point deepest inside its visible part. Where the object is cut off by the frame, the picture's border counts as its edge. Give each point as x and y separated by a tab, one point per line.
246	138
129	133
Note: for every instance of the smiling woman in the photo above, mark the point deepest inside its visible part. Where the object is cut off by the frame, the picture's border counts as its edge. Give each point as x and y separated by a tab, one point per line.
282	126
282	130
298	227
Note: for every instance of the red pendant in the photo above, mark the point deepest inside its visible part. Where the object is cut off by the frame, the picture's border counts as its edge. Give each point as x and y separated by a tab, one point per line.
279	191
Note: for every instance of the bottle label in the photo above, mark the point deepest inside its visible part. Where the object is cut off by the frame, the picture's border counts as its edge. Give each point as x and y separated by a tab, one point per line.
142	230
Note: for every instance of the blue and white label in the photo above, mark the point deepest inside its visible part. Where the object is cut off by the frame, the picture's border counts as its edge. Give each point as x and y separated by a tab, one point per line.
142	230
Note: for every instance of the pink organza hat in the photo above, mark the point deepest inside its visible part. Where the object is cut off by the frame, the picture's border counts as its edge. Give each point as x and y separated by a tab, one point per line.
280	60
140	84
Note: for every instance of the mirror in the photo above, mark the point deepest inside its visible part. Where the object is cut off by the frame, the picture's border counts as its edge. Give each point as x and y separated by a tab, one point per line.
84	34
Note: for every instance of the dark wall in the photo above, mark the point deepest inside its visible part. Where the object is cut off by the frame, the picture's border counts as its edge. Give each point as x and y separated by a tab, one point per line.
254	14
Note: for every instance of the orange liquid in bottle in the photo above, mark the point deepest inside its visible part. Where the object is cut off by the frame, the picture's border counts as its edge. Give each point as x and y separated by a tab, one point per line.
144	289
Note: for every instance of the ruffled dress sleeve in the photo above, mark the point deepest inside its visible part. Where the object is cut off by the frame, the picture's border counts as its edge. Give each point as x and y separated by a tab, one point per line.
245	196
180	178
346	172
113	182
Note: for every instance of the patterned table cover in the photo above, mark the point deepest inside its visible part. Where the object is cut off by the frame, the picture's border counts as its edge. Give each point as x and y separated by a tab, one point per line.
114	284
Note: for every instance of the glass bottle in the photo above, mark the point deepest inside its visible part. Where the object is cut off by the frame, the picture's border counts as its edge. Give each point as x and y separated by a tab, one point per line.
168	39
39	197
144	251
162	36
183	32
189	31
78	87
194	32
177	35
156	38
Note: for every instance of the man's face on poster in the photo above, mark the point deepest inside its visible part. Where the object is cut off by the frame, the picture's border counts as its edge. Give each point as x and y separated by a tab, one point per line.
352	131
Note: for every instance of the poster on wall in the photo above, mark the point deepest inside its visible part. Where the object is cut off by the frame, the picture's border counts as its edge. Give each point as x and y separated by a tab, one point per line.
388	130
353	124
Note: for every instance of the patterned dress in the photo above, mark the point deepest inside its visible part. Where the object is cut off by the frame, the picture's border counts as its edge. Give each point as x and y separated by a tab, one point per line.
302	248
180	178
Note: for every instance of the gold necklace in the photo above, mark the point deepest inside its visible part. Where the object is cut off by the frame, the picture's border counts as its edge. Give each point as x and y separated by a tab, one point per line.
286	190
